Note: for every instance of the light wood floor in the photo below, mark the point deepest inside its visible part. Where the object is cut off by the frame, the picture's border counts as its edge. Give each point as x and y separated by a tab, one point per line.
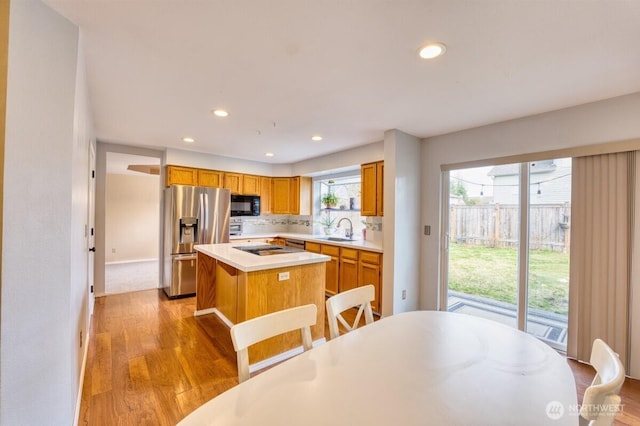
150	362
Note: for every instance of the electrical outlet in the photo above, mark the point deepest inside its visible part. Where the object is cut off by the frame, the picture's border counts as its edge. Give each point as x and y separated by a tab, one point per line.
282	276
404	294
427	230
113	250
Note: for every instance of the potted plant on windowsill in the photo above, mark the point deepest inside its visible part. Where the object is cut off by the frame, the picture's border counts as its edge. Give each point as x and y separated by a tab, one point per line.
327	224
329	200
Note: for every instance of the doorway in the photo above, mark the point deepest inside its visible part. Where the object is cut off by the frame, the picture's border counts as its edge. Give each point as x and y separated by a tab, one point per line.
507	250
132	206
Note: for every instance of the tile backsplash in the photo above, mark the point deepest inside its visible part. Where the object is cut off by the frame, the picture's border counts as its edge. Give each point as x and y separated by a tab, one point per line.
299	225
374	228
275	223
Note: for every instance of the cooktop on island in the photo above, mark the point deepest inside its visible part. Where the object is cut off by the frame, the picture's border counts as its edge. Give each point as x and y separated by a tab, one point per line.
268	249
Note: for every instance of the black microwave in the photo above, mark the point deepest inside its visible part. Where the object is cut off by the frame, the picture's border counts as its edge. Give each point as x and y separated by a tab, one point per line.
245	205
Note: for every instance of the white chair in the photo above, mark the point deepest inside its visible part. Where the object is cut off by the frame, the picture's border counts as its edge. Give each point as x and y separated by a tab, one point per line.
600	402
255	330
360	297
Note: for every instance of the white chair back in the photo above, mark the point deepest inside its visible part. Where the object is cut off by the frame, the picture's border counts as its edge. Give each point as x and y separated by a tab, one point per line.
255	330
360	297
600	401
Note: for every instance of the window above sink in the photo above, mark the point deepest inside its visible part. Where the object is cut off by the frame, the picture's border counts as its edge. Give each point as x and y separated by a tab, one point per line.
347	192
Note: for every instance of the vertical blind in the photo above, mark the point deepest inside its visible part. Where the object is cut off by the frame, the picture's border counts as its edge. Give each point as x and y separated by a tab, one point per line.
603	188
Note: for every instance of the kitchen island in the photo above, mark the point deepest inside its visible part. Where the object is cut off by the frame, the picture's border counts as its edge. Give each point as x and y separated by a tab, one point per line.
238	285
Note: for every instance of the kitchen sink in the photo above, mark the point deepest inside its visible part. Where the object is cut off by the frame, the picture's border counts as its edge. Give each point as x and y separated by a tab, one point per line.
339	239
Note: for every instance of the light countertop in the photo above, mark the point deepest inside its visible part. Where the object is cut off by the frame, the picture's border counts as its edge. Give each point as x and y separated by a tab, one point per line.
375	246
249	262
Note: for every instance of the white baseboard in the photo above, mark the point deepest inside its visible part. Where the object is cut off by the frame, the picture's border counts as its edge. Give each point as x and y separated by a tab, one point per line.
120	262
82	370
205	312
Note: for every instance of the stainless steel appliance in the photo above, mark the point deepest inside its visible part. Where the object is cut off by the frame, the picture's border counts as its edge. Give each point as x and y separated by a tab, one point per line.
235	226
192	215
245	205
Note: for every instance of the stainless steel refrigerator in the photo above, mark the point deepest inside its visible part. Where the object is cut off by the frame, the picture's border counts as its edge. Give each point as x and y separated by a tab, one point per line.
192	215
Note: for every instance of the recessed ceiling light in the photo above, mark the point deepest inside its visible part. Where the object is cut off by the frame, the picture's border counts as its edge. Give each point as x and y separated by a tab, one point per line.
432	50
220	113
269	154
188	140
316	138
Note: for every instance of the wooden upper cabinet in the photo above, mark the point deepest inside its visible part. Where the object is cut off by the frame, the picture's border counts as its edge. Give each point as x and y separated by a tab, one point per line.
291	195
303	206
280	195
265	195
233	182
380	187
372	186
251	185
211	178
176	175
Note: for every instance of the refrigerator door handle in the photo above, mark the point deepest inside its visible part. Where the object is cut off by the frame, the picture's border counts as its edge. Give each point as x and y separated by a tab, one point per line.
203	220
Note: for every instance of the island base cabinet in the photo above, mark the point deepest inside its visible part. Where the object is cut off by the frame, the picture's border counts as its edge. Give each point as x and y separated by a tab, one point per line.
261	293
205	282
227	291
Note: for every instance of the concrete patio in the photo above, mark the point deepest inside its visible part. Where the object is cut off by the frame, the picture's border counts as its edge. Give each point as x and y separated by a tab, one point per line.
547	326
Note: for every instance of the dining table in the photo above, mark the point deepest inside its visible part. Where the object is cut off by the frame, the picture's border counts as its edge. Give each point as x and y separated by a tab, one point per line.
412	368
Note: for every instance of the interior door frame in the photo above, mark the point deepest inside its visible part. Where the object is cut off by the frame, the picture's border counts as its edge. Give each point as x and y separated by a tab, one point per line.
91	227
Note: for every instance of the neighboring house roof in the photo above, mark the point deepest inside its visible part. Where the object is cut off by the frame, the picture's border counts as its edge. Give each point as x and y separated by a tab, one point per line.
544	166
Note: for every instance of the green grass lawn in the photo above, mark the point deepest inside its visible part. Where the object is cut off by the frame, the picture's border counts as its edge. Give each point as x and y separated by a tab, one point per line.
493	273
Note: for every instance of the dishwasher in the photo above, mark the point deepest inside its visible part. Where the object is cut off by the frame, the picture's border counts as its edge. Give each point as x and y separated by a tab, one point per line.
299	244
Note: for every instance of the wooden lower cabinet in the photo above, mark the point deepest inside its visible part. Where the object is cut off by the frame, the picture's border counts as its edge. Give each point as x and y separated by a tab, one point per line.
277	241
370	272
348	269
332	274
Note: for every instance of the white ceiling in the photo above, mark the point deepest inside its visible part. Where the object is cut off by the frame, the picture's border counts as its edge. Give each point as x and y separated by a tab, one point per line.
345	69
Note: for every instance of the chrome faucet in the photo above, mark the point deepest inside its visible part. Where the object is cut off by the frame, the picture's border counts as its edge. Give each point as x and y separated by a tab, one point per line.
348	233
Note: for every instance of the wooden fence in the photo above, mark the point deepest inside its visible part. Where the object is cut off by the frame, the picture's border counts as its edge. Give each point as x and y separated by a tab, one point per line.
496	225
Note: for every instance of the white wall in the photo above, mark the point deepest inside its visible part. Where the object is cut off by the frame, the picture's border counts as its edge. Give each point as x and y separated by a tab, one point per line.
215	162
610	120
132	217
348	158
79	309
337	160
401	222
44	250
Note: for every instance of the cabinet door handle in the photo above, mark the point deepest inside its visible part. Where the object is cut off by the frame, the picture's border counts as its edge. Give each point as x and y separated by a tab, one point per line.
93	249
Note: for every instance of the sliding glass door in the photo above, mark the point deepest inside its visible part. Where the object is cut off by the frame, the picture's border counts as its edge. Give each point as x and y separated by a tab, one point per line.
483	241
507	250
